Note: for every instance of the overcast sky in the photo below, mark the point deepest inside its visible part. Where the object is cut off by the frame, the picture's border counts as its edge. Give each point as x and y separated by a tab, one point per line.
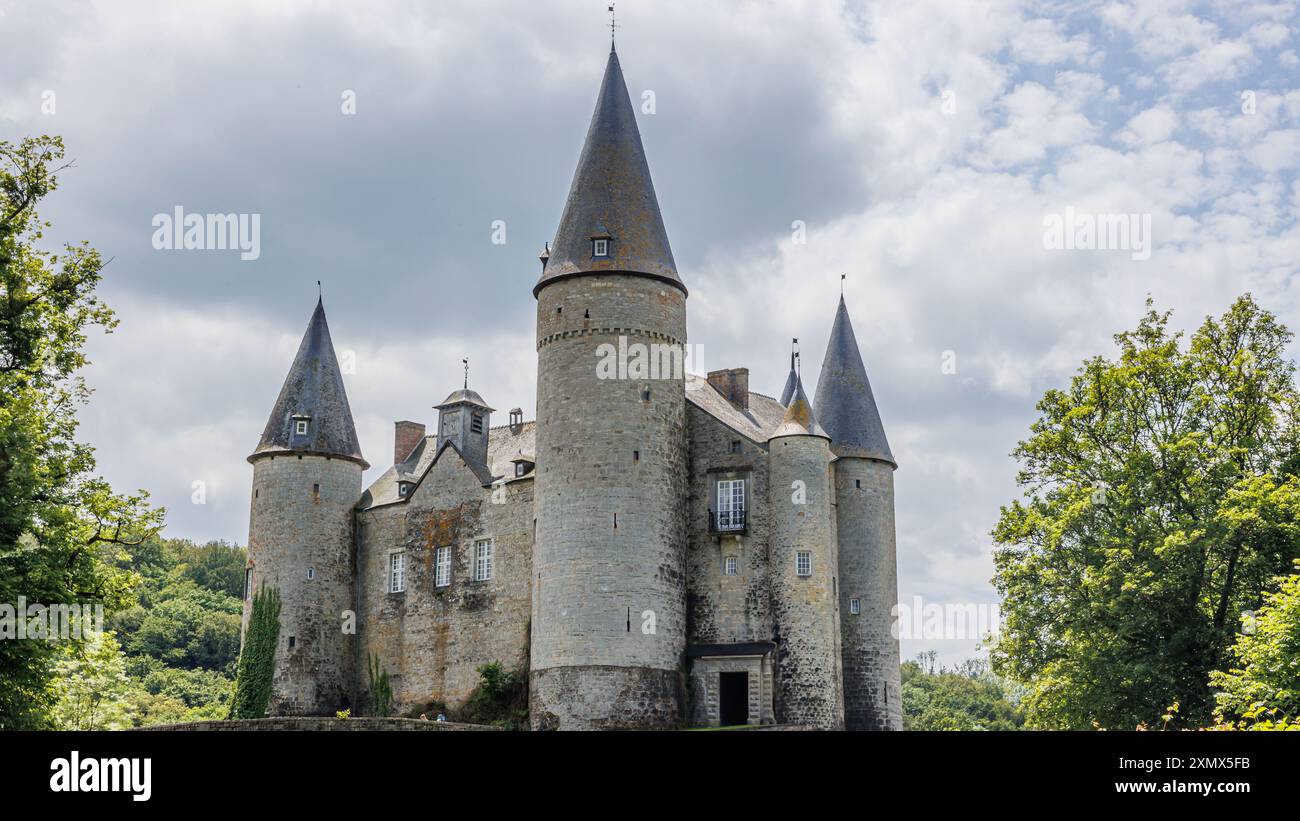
921	143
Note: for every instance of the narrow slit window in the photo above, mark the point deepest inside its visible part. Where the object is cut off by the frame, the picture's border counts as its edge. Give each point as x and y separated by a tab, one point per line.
855	606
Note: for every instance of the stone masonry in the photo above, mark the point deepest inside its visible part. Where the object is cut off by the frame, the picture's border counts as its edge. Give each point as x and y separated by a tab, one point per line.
655	550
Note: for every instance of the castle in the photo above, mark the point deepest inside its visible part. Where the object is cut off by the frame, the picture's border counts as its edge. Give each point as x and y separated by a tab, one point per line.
656	550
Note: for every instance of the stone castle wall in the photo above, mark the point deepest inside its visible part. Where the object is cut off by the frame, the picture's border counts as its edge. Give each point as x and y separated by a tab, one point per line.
300	540
726	608
864	491
431	639
807	631
611	541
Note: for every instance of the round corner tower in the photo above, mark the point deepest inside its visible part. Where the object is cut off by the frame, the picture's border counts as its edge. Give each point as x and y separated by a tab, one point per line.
804	568
609	607
864	516
306	481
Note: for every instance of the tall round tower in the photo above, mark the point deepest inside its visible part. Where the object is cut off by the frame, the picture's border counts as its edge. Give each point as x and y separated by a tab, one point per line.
306	481
609	604
864	514
803	571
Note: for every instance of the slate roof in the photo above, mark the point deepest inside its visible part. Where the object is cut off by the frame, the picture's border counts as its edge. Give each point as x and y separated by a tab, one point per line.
612	195
313	388
464	395
757	423
787	393
503	447
846	406
799	419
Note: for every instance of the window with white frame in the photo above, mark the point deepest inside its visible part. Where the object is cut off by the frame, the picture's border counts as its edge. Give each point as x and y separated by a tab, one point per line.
803	563
442	567
300	427
397	572
482	560
731	504
729	566
600	247
855	606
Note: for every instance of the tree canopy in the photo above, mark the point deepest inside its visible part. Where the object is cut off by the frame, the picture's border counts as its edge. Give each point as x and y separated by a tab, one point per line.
1160	500
62	528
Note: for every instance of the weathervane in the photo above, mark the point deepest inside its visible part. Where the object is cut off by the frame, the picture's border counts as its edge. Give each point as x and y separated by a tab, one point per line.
794	354
842	276
612	25
466	361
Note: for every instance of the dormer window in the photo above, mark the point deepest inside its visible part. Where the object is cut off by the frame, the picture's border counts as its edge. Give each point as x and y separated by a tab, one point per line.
300	425
404	489
600	247
523	467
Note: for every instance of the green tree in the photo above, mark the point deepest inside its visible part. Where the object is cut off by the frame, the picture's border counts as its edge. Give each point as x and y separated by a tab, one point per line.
92	686
61	528
257	659
1261	691
969	698
1159	503
501	698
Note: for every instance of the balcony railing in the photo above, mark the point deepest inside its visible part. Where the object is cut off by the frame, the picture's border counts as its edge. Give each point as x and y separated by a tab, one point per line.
727	521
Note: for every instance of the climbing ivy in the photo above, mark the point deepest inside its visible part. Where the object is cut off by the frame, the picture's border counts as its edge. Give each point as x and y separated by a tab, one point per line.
381	692
257	657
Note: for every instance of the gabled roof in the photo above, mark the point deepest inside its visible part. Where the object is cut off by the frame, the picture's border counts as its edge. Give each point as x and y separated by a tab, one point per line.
845	404
755	423
313	389
612	196
503	446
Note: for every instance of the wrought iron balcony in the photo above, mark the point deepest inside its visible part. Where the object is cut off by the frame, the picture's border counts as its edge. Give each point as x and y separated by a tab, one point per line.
728	521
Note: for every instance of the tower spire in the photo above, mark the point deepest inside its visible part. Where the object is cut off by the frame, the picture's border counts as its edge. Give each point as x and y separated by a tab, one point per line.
313	394
611	221
845	404
791	381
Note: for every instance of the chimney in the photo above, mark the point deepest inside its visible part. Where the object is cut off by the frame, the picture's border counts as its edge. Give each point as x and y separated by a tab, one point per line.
732	384
406	436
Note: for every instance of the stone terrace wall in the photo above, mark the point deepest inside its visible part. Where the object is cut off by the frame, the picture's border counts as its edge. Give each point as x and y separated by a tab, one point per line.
319	723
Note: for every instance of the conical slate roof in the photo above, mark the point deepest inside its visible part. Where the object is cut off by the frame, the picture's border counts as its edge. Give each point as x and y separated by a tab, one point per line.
791	381
787	393
612	197
313	389
799	419
845	404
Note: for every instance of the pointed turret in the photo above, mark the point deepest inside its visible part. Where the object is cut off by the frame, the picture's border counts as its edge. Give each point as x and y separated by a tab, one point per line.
312	414
845	404
611	220
799	418
787	393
